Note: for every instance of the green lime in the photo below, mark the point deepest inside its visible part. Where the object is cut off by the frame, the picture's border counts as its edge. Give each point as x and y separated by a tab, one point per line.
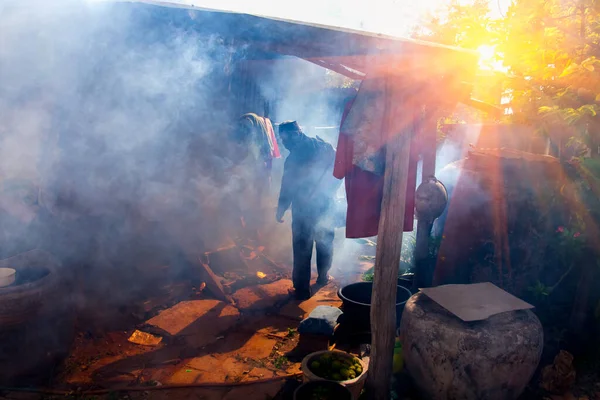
344	373
336	365
336	377
315	365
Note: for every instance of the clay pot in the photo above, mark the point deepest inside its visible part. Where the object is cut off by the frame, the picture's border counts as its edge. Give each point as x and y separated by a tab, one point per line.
24	300
447	358
36	319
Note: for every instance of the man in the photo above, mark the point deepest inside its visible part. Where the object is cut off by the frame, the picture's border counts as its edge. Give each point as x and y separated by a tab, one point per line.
308	186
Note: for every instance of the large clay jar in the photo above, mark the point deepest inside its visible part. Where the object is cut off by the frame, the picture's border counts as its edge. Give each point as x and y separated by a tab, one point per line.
451	359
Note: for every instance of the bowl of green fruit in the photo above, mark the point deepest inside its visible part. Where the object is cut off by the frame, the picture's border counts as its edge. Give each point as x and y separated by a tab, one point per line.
322	390
337	366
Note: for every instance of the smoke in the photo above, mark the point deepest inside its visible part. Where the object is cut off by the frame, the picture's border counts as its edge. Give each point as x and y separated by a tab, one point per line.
120	102
118	114
299	91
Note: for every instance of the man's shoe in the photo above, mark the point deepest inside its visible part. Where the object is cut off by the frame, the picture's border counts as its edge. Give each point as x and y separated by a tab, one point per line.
322	281
302	294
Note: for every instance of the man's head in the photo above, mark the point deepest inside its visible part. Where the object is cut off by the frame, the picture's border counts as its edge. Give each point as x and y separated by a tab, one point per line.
290	134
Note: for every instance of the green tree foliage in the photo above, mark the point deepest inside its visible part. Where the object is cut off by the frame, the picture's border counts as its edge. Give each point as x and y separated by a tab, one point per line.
551	51
460	24
467	25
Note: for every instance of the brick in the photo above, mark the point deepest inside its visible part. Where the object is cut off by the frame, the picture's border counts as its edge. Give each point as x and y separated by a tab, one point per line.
210	369
257	347
262	297
199	322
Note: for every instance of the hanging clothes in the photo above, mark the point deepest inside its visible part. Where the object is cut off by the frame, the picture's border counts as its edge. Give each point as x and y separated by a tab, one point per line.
255	139
360	159
275	153
253	132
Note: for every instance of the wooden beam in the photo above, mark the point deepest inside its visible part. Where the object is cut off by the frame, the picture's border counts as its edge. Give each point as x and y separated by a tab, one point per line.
339	68
389	245
419	64
491	109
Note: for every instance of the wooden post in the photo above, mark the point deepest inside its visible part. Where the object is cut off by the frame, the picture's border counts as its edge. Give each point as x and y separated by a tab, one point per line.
389	245
427	144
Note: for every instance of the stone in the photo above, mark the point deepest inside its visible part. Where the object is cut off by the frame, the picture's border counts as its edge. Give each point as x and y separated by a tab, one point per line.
262	297
448	358
199	322
560	376
144	339
259	373
327	296
321	321
294	368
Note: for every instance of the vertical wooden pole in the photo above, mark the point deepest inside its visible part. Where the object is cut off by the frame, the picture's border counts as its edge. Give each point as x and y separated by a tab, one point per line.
429	141
389	245
428	144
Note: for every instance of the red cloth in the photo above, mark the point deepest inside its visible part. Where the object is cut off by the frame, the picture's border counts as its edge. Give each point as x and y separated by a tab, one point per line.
364	190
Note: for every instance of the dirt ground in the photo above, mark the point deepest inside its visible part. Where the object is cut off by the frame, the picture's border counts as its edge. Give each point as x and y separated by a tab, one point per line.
236	351
239	348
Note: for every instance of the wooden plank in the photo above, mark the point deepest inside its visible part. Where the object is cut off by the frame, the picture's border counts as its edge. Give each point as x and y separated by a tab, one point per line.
389	245
213	283
190	248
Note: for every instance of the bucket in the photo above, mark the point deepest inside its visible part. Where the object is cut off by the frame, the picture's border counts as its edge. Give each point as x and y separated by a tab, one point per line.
356	304
355	385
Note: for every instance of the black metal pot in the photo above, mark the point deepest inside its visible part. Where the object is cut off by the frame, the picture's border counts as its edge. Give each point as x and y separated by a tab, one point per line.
336	391
356	304
406	281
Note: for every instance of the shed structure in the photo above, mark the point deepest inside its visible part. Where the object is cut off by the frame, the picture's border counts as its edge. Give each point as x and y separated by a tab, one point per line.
425	76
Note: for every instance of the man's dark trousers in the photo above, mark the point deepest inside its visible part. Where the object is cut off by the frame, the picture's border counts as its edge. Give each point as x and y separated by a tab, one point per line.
306	232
